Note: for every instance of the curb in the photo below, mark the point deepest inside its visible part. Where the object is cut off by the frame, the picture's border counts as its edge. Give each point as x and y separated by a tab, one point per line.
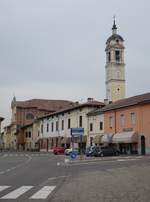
106	159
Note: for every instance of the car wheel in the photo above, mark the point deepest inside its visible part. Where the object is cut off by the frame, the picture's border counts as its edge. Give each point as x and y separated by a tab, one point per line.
101	154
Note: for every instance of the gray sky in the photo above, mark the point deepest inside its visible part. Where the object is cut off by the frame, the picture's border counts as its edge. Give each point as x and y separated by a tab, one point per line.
54	49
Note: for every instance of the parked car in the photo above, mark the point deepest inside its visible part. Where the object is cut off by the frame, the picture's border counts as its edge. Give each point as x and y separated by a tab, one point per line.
58	150
68	151
106	151
90	151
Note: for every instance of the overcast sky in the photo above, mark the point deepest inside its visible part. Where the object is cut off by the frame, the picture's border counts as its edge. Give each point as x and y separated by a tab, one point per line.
54	49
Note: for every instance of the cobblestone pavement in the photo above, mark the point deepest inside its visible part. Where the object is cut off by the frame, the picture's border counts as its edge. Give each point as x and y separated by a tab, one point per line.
107	182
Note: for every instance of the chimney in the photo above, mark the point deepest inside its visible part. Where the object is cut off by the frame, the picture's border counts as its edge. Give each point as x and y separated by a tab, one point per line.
106	101
90	99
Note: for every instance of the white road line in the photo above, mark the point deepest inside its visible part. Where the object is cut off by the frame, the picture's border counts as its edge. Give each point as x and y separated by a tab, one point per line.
55	178
18	192
121	159
3	187
43	193
127	159
138	157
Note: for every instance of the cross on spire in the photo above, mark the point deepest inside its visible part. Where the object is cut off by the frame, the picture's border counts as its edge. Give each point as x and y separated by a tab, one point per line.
114	28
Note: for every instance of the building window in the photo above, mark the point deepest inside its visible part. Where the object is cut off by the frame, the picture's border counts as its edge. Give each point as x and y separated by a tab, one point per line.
29	116
47	127
118	75
133	118
42	128
91	126
69	123
29	134
80	121
110	122
122	120
26	134
109	57
101	125
117	55
56	125
52	126
62	125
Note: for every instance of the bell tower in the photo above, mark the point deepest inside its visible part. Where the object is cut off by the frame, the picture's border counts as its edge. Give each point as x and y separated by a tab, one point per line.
115	66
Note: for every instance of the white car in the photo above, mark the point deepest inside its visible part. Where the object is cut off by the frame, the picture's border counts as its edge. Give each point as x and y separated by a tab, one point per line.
68	151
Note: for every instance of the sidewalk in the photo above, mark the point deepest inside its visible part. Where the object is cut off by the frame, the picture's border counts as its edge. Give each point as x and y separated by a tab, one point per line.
83	158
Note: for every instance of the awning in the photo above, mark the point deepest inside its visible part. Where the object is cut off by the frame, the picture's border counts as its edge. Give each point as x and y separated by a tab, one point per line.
125	137
78	140
106	138
65	140
97	139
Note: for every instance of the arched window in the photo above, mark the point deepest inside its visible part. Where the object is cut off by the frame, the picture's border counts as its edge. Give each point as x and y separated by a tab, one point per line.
118	74
29	116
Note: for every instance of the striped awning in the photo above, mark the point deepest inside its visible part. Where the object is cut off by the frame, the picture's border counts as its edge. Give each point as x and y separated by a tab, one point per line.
125	137
107	138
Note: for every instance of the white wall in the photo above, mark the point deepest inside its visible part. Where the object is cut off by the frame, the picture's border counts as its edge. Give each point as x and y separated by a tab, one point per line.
73	115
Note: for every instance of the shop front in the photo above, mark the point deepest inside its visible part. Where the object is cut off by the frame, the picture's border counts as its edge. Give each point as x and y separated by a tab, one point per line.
98	140
107	139
126	142
66	142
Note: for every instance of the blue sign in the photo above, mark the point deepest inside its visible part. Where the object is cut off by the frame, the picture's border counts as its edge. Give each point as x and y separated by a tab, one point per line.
73	155
76	132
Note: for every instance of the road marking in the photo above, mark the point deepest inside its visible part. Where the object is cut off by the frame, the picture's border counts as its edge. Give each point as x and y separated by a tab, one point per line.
121	159
43	193
3	187
55	178
18	192
127	159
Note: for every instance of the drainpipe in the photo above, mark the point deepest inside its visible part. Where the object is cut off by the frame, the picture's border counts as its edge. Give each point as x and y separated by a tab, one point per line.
115	123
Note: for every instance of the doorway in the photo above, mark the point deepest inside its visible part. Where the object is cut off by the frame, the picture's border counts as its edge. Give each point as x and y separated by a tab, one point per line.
143	145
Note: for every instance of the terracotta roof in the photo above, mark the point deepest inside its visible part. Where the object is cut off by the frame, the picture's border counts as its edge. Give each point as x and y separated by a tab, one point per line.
42	104
138	99
93	103
95	112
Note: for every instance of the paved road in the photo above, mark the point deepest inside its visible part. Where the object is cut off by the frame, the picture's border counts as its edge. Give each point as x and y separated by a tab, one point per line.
121	179
45	177
29	176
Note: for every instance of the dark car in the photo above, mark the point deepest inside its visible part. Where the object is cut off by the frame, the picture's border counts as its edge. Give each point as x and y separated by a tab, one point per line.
58	150
90	151
106	151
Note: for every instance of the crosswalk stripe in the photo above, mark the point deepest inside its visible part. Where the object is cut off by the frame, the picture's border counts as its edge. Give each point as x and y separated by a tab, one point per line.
3	187
16	193
43	193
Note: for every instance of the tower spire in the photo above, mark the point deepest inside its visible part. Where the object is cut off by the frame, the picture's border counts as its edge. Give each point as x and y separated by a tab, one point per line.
114	27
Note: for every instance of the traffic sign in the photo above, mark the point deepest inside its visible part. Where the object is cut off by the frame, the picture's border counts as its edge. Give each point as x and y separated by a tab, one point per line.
77	132
73	155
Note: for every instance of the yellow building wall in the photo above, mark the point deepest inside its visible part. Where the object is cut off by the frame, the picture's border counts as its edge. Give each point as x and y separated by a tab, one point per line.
117	95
